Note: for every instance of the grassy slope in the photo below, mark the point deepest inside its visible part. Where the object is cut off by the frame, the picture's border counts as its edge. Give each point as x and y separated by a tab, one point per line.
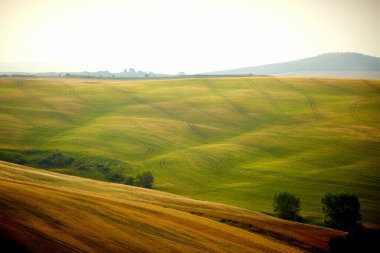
231	140
45	211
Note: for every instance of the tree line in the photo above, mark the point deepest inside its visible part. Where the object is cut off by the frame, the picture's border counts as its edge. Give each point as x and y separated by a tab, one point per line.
340	211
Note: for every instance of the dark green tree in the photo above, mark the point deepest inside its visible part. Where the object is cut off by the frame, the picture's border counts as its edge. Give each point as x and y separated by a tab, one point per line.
341	211
144	179
287	206
129	181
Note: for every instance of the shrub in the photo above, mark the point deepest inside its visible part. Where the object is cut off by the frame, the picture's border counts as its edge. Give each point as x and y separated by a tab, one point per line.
144	179
114	177
129	181
56	160
12	157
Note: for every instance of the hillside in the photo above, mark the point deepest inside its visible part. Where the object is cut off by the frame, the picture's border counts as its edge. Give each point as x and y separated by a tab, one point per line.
236	141
349	65
44	211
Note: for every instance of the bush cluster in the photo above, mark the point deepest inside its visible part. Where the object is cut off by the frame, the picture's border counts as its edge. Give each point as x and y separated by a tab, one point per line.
145	179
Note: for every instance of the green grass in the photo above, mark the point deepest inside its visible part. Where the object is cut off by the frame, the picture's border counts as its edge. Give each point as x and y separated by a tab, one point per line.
232	140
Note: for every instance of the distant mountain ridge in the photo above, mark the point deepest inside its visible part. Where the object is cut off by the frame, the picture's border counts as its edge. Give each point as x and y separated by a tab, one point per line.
329	64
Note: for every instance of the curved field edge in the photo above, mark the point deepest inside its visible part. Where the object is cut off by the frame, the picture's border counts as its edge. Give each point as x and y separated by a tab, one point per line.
45	211
236	141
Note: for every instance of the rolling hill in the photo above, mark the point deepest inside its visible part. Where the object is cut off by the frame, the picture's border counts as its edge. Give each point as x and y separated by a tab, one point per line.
236	141
342	65
43	211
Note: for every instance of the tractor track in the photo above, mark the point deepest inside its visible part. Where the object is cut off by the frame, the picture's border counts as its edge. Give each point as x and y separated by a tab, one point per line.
57	114
36	233
310	100
352	111
234	105
145	229
373	87
170	114
141	128
163	165
269	99
196	107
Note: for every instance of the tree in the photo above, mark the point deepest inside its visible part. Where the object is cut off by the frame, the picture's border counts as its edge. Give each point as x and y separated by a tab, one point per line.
145	179
287	206
130	181
341	211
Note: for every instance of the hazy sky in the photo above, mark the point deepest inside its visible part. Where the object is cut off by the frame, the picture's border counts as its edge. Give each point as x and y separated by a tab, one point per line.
190	35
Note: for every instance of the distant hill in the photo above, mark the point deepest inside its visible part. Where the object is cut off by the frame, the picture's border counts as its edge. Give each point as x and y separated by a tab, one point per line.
328	65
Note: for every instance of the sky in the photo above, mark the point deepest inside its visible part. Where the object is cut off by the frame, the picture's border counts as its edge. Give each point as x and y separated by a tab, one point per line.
191	36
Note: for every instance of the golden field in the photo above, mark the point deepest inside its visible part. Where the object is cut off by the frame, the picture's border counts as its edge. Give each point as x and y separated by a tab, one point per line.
44	211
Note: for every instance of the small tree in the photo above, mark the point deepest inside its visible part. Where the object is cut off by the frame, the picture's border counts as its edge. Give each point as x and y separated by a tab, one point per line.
287	206
144	179
341	211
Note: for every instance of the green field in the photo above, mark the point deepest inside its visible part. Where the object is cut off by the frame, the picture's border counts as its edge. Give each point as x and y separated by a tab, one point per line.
231	140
